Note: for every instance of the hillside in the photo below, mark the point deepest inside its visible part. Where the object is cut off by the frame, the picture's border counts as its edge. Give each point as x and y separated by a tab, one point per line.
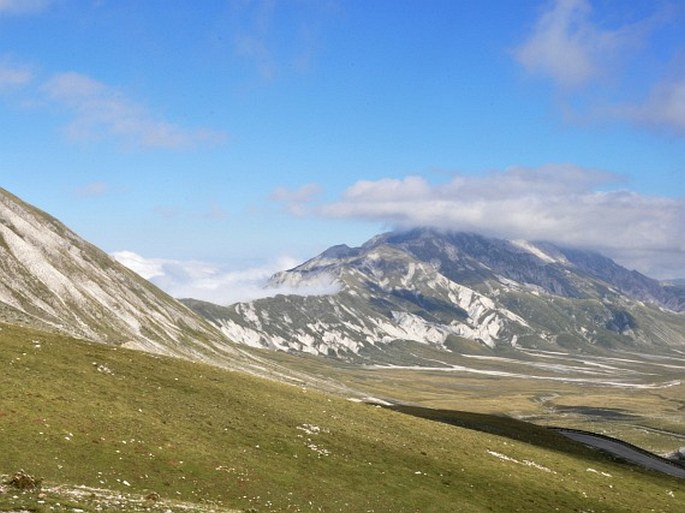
460	292
113	421
50	278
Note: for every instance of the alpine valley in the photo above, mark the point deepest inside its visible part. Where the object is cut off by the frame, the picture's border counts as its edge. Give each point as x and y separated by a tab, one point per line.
115	396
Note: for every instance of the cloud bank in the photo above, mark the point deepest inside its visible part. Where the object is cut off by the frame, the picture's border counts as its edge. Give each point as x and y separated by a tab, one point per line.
214	283
565	204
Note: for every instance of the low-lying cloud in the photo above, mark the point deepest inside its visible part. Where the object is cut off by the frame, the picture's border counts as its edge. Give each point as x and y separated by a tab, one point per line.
565	204
214	283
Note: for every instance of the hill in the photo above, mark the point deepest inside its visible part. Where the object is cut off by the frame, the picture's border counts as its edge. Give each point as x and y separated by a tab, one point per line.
107	421
52	279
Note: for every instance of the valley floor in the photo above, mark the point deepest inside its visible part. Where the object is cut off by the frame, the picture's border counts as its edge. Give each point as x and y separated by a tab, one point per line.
633	397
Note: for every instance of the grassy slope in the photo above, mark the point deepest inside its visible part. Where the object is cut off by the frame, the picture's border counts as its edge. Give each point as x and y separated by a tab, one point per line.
79	413
650	418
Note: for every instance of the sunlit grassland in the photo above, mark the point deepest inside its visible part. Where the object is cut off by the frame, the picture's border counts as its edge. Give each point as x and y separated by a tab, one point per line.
77	413
652	418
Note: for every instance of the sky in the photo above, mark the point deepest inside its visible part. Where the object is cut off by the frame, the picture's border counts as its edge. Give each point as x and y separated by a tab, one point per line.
209	144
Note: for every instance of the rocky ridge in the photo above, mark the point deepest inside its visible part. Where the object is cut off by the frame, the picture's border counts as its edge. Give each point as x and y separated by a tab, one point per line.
457	291
52	279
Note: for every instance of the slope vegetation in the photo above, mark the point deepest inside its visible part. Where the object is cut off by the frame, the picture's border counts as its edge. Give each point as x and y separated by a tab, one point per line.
77	413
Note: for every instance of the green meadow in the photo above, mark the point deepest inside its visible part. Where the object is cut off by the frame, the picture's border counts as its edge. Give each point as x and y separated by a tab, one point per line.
109	429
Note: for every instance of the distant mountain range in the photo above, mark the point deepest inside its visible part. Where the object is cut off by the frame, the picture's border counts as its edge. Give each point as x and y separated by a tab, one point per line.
461	292
449	291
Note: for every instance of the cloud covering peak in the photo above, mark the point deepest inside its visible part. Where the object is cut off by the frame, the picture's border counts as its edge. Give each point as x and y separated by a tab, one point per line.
565	204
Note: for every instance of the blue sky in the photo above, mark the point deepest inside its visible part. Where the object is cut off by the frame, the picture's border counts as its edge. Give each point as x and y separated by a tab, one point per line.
207	144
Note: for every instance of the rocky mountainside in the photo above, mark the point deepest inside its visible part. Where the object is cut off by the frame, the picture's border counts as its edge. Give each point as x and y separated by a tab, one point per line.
458	291
52	279
675	288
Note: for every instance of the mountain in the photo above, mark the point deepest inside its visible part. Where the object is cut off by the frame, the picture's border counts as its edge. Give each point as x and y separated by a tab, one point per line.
676	288
52	279
457	291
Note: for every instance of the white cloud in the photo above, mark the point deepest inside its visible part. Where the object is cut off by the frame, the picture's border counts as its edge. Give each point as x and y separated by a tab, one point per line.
214	283
13	76
296	201
252	42
558	203
23	6
665	107
566	46
272	46
91	190
167	211
254	47
100	110
146	267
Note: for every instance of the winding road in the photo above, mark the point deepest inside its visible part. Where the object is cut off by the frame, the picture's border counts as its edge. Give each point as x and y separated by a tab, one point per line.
625	451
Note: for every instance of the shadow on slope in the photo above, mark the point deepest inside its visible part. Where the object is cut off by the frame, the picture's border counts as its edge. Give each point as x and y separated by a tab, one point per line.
508	427
548	438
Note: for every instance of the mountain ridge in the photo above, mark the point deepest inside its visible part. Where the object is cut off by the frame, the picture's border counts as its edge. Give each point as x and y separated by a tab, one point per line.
453	289
54	280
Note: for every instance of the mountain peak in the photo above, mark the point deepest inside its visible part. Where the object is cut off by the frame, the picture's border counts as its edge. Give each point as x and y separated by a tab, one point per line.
450	289
340	251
